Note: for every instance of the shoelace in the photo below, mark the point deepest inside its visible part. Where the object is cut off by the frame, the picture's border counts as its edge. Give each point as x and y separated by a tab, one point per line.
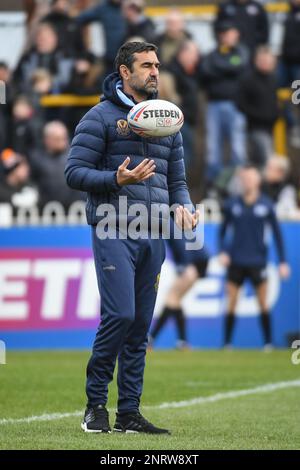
142	420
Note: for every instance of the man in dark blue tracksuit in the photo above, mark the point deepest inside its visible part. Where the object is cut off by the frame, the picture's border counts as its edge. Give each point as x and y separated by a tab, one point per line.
109	161
244	247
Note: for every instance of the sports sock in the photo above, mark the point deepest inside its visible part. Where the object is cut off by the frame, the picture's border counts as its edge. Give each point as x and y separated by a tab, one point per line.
180	322
229	324
266	326
160	322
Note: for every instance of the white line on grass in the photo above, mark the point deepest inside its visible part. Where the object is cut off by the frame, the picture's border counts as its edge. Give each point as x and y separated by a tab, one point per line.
225	395
267	388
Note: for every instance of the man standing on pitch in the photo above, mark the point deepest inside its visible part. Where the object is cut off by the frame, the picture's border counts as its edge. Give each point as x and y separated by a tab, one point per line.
244	242
107	160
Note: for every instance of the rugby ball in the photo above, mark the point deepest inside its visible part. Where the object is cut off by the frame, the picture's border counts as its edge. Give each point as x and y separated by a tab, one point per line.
155	118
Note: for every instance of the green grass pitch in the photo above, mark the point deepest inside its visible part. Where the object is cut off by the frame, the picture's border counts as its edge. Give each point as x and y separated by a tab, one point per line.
47	382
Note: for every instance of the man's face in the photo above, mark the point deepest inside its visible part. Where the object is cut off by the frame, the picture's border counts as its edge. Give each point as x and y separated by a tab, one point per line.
250	180
56	140
189	56
46	40
61	6
229	38
4	74
275	172
265	62
174	24
143	78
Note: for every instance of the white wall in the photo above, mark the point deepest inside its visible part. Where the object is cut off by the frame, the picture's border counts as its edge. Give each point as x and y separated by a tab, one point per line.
12	35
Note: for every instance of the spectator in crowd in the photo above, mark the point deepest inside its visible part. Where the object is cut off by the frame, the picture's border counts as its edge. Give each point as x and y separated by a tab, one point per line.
250	18
276	186
24	127
138	25
6	95
41	84
34	10
68	31
3	131
175	33
257	99
44	54
109	14
15	185
5	78
289	66
184	69
290	56
48	166
221	71
247	218
87	78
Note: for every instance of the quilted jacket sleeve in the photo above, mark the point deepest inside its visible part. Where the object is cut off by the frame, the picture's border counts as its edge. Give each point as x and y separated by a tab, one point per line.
86	157
178	190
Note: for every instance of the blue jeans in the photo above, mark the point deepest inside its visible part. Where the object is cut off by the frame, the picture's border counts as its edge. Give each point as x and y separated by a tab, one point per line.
261	146
224	123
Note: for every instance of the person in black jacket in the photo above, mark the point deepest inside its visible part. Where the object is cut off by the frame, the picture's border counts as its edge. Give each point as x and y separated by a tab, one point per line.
138	25
220	74
109	14
6	94
47	167
289	66
250	18
257	99
24	126
69	33
174	34
16	187
185	71
87	79
291	44
45	54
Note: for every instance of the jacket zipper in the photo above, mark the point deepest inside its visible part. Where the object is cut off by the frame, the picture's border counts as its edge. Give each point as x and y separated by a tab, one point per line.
147	181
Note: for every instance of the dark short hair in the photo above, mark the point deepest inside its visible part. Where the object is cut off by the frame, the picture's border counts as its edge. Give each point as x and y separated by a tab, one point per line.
125	55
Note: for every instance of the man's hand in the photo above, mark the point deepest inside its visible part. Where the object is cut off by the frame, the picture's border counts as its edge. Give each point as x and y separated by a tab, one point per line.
284	270
224	259
140	173
185	219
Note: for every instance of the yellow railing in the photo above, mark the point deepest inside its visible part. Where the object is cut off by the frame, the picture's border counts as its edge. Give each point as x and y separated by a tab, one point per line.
280	128
55	101
205	10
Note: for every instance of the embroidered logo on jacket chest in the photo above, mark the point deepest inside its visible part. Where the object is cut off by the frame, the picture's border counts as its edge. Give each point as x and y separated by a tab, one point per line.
122	127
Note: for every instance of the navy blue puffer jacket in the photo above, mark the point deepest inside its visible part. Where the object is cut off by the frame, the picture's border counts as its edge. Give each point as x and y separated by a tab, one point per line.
101	144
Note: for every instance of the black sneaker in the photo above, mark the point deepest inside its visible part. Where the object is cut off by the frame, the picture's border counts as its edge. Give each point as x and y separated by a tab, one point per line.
96	420
136	423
